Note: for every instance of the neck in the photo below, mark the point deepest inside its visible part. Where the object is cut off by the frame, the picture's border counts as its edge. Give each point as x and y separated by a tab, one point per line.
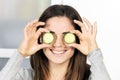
58	71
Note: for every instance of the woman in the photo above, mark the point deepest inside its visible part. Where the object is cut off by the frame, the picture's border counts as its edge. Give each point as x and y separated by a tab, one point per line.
58	60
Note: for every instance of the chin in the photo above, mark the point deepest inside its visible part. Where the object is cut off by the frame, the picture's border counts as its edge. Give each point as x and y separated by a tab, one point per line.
59	62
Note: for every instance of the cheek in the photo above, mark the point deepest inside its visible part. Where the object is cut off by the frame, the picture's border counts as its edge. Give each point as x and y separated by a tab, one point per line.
72	51
45	50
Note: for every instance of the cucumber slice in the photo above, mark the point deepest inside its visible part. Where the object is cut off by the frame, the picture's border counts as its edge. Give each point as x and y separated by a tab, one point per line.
48	37
69	38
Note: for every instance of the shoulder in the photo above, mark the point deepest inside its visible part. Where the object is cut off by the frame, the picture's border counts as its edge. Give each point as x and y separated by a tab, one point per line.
25	73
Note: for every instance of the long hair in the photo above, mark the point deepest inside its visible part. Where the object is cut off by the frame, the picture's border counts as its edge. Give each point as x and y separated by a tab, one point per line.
77	69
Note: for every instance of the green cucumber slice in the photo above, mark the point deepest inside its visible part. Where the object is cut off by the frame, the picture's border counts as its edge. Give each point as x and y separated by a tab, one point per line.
48	37
69	38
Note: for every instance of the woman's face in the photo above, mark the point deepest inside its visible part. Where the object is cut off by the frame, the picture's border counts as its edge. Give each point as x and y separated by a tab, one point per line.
59	52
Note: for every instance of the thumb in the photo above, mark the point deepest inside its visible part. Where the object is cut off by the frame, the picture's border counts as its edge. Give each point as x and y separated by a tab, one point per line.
41	46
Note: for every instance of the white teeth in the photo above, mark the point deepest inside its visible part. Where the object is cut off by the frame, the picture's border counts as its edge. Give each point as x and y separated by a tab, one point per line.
58	52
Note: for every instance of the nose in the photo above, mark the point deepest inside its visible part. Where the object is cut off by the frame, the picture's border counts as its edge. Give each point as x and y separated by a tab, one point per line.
58	42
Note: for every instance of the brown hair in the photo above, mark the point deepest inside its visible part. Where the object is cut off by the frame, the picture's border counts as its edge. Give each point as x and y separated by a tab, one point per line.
77	69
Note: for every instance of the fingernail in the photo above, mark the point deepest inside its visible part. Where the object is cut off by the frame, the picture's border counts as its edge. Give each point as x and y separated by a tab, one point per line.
43	23
75	20
84	18
95	23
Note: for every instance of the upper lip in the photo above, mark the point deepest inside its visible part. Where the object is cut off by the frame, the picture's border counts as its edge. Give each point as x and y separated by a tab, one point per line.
58	51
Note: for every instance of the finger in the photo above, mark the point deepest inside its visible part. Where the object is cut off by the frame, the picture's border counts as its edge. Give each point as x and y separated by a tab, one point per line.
36	24
37	47
77	33
39	31
29	25
32	23
89	25
26	27
95	29
32	27
40	23
41	46
82	26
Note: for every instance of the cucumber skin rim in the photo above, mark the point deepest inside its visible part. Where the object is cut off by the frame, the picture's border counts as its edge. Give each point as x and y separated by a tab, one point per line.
54	37
49	33
66	34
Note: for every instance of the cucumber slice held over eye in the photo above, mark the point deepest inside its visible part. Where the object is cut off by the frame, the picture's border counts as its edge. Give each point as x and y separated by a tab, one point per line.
69	38
48	37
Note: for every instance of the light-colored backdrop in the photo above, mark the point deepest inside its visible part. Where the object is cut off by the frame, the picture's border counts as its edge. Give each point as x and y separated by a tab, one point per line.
14	15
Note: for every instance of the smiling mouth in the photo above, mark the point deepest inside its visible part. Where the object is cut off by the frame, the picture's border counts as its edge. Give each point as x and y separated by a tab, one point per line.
58	51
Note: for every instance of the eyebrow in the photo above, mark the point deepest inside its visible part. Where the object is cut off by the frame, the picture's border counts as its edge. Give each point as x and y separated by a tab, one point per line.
62	33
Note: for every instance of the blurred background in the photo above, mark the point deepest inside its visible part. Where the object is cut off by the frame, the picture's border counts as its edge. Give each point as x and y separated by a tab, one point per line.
14	15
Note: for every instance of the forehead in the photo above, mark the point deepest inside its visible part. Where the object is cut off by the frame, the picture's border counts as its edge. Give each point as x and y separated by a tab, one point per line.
59	24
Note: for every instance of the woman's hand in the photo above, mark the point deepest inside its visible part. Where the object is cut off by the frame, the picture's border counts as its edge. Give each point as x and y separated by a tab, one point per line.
87	37
30	44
